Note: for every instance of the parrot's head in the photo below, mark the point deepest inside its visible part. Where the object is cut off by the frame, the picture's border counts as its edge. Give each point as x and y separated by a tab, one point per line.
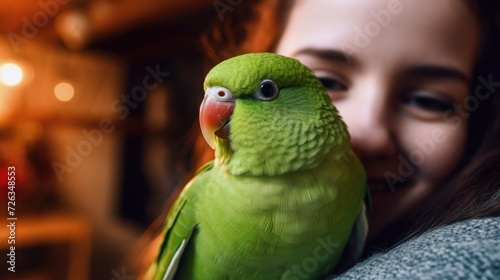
267	114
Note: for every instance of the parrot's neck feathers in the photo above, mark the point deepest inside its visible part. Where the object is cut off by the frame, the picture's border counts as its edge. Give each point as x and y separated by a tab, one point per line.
223	152
257	160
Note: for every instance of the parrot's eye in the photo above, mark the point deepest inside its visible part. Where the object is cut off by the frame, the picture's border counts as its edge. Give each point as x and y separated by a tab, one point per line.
268	90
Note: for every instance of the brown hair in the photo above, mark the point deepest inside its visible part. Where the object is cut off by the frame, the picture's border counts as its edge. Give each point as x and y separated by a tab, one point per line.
254	26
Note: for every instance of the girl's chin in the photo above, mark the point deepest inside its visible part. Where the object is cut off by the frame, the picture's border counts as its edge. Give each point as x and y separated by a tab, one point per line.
380	198
388	205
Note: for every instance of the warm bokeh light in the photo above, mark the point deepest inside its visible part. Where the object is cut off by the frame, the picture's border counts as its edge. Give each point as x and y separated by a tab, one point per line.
64	91
11	74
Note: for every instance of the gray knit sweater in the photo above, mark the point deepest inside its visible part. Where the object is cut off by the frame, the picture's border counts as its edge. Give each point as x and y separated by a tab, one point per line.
465	250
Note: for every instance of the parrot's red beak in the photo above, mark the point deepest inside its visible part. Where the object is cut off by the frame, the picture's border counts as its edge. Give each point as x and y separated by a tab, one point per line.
215	112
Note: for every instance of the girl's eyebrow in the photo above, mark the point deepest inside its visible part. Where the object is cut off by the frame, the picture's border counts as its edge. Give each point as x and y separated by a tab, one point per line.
329	54
437	72
419	71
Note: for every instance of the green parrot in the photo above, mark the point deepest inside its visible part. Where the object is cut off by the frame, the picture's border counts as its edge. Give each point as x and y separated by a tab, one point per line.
285	190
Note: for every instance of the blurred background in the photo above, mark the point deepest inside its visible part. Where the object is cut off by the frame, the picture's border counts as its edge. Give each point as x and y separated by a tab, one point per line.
98	104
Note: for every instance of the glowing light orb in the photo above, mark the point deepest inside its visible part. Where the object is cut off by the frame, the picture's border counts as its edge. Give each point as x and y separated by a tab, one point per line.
64	91
11	74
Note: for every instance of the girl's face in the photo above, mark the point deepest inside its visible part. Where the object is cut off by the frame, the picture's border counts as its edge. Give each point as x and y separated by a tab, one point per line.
399	73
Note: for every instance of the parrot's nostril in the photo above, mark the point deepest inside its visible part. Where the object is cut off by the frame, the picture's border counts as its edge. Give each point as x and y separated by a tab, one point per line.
221	93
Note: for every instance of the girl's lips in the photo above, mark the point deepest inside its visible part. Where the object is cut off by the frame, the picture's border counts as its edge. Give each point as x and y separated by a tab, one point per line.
378	186
385	186
382	193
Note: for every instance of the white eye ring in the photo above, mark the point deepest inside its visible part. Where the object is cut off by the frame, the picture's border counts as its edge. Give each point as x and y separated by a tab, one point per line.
221	94
268	90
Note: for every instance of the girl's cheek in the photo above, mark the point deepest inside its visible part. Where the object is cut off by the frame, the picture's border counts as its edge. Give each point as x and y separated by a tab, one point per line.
435	149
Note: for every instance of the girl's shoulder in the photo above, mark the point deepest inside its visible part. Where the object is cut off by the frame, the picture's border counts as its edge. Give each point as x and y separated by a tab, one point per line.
467	250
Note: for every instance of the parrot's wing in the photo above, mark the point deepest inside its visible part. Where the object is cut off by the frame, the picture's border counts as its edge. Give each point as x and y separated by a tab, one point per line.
179	227
356	243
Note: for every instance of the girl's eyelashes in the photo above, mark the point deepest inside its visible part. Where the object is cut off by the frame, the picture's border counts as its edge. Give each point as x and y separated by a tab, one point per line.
332	84
334	87
428	103
423	102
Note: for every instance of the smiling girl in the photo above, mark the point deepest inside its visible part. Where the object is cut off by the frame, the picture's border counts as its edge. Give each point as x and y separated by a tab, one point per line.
393	92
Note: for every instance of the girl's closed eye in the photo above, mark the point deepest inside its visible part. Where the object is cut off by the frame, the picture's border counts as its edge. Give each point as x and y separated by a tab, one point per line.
427	104
334	85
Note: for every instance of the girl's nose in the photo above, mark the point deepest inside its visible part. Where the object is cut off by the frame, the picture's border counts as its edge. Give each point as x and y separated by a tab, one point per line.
370	123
